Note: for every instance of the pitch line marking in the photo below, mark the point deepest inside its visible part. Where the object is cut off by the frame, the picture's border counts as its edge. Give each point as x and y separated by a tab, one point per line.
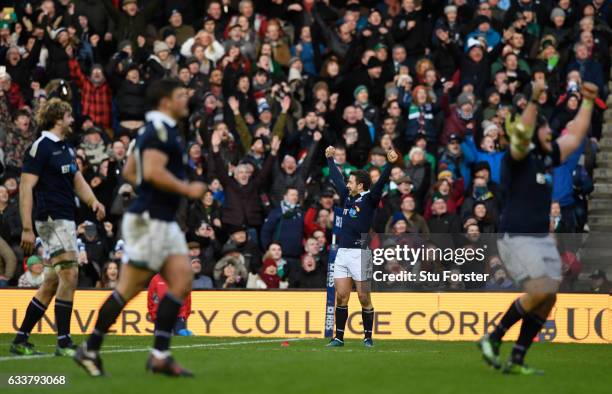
147	349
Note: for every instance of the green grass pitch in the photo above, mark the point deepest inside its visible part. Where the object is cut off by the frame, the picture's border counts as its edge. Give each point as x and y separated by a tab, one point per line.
252	365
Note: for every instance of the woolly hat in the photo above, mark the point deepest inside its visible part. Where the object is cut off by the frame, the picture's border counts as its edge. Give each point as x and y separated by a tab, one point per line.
556	12
359	89
34	259
473	43
397	217
449	9
464	98
488	127
55	33
262	106
374	62
123	44
445	175
160	46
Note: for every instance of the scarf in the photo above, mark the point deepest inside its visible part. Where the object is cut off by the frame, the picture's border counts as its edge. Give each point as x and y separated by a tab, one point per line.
272	281
34	281
289	210
463	116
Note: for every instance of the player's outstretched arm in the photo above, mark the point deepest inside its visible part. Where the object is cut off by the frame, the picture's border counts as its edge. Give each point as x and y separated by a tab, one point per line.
379	186
85	194
578	128
334	173
154	172
521	131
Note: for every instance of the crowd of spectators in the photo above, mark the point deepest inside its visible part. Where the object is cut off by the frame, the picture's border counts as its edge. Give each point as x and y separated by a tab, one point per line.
432	79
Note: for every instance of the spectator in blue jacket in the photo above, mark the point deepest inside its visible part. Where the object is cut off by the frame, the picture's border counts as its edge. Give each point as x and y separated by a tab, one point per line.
563	187
285	225
452	159
485	30
309	53
487	151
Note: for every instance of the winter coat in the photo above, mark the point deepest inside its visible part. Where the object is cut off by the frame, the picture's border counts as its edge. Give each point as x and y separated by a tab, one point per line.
242	205
421	122
286	228
282	180
130	100
474	155
130	27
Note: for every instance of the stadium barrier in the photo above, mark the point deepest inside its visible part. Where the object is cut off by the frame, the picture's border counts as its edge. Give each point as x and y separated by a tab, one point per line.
579	318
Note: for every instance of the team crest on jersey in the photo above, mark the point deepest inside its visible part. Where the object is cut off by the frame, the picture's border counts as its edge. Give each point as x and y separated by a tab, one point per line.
352	212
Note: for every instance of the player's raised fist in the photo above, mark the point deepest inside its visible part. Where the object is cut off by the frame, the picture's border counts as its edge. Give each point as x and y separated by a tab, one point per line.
329	151
392	156
589	90
195	190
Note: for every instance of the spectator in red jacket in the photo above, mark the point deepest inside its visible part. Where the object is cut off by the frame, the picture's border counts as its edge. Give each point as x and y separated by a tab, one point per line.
96	96
449	190
12	91
157	290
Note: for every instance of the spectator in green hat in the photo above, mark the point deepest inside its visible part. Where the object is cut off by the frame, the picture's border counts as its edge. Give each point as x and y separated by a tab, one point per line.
34	276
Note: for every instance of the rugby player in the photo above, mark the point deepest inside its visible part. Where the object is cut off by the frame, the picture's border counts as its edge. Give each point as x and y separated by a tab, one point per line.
354	264
528	251
50	179
153	240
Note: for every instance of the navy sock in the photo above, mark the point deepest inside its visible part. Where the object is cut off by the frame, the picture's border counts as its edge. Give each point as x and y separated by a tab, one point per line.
63	315
513	315
167	312
368	321
107	316
532	324
36	310
341	318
